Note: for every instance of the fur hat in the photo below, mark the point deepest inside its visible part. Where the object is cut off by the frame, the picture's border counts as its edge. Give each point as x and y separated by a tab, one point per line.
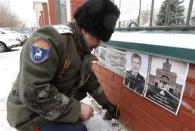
98	17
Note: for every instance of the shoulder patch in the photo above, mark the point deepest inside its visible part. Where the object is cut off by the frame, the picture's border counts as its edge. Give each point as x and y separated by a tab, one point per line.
40	51
63	29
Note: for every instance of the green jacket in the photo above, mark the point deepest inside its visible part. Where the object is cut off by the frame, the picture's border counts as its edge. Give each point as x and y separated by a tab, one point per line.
47	89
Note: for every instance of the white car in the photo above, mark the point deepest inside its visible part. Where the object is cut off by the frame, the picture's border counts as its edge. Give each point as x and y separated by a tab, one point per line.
21	37
8	41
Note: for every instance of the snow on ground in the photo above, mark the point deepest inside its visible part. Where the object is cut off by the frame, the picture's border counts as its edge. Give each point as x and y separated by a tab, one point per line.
96	123
9	67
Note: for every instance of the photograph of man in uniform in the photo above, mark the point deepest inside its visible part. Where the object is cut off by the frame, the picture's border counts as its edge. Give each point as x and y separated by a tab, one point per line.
132	78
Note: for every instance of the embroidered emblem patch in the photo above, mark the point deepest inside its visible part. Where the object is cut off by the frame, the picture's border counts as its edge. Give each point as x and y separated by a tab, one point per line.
40	51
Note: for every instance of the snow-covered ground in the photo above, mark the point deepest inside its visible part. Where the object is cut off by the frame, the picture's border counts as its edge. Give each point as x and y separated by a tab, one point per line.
9	67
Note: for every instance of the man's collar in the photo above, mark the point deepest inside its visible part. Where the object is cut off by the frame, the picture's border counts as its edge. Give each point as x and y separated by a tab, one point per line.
78	37
134	73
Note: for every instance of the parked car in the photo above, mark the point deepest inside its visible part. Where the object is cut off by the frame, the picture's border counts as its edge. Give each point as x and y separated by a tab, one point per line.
27	33
21	37
8	41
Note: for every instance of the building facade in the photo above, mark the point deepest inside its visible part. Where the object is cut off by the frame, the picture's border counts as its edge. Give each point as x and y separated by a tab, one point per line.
166	80
55	11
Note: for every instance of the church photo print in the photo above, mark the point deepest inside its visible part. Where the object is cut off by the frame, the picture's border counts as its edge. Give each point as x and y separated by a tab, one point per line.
166	82
136	72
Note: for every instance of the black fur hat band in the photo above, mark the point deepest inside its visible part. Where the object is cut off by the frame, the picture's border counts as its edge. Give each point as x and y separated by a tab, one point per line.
98	17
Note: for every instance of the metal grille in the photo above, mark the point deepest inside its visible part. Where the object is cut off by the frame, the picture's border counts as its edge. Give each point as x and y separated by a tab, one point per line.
135	25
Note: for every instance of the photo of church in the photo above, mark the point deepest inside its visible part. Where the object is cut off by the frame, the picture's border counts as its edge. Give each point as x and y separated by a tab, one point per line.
166	82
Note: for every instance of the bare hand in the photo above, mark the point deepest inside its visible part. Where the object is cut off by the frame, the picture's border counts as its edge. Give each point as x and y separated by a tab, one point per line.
86	111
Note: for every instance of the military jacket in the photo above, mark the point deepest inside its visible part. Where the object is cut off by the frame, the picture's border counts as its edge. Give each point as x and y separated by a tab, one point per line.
135	83
53	77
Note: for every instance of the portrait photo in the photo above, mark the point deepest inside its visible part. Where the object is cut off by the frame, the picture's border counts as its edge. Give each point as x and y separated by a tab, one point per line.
136	72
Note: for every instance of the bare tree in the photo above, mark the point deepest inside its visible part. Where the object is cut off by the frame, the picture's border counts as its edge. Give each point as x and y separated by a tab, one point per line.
8	19
145	17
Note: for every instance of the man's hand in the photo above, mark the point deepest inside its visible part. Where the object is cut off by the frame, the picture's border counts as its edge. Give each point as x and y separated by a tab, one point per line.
112	111
86	112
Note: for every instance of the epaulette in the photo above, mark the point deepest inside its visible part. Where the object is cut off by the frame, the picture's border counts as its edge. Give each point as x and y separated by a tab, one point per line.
63	29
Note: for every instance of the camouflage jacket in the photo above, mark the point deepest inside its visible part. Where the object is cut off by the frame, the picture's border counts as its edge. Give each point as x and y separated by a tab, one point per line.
55	74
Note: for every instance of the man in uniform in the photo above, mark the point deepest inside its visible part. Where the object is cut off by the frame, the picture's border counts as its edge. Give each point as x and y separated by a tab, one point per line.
133	79
55	73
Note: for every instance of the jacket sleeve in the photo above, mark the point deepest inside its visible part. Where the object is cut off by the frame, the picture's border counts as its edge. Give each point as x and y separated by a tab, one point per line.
37	89
95	90
91	84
